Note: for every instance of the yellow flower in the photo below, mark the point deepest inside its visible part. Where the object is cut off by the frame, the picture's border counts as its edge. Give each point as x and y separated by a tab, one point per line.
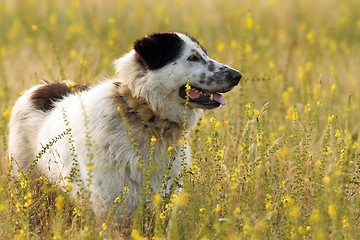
136	235
53	19
217	208
247	48
318	163
69	186
294	212
27	199
220	153
7	112
326	180
111	20
333	88
337	134
117	200
59	202
182	199
181	142
187	87
153	139
104	226
249	22
90	167
268	201
220	46
83	61
233	44
292	113
285	96
76	212
310	37
271	65
246	229
301	230
314	216
237	211
332	210
2	207
345	222
23	183
281	128
34	27
157	199
72	53
287	201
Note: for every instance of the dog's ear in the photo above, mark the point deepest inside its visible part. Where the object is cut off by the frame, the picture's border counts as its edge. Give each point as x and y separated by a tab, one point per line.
156	50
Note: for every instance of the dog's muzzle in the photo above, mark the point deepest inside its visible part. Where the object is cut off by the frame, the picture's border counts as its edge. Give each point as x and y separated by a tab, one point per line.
234	76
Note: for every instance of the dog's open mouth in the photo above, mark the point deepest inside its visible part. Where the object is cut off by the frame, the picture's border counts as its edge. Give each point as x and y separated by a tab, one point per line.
207	99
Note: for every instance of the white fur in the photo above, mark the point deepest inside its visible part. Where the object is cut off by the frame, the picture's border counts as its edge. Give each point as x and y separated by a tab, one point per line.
116	164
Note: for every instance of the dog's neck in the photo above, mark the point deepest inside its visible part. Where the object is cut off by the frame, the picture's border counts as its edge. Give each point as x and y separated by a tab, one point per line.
137	111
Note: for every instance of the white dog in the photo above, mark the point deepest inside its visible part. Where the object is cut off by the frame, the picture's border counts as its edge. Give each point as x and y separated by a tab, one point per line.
117	134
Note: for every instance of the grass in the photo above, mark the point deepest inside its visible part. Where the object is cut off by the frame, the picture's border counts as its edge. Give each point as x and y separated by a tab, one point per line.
280	161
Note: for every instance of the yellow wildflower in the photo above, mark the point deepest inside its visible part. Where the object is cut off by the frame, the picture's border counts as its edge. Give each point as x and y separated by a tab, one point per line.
294	212
249	22
136	235
117	200
220	46
34	27
112	20
237	211
345	222
59	202
332	210
157	199
217	208
326	180
182	199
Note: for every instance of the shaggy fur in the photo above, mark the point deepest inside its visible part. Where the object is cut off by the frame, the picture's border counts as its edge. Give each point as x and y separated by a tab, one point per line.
55	130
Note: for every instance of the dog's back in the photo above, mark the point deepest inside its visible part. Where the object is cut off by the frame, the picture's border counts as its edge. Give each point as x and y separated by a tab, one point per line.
26	119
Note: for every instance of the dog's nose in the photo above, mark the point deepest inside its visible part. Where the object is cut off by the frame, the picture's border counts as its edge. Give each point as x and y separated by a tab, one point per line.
235	76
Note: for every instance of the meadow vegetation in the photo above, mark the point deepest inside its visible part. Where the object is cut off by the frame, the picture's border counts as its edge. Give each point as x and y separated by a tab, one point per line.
280	161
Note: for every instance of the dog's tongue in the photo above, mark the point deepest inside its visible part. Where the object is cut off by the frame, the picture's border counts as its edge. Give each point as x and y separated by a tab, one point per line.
193	94
219	98
216	96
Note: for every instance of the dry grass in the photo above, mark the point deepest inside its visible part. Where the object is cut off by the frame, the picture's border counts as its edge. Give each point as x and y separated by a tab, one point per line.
280	161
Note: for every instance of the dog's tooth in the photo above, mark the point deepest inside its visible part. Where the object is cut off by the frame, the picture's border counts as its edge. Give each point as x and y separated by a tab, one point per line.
211	96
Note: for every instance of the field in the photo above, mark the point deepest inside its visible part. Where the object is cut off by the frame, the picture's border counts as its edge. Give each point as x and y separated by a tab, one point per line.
280	161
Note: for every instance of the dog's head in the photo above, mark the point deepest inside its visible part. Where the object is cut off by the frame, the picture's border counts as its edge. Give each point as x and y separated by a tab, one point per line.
161	65
177	59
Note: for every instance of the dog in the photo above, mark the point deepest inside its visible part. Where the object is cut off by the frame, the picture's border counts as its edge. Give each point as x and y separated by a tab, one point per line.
122	135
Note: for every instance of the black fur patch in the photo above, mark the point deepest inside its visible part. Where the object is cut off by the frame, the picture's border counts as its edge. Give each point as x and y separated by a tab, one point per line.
156	50
45	97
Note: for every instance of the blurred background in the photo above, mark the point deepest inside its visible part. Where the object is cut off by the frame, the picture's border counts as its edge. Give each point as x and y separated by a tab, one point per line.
288	169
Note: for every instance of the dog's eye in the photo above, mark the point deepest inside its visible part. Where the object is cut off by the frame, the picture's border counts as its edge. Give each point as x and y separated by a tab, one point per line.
193	58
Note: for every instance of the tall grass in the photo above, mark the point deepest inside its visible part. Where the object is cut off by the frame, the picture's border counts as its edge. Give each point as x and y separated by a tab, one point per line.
280	161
